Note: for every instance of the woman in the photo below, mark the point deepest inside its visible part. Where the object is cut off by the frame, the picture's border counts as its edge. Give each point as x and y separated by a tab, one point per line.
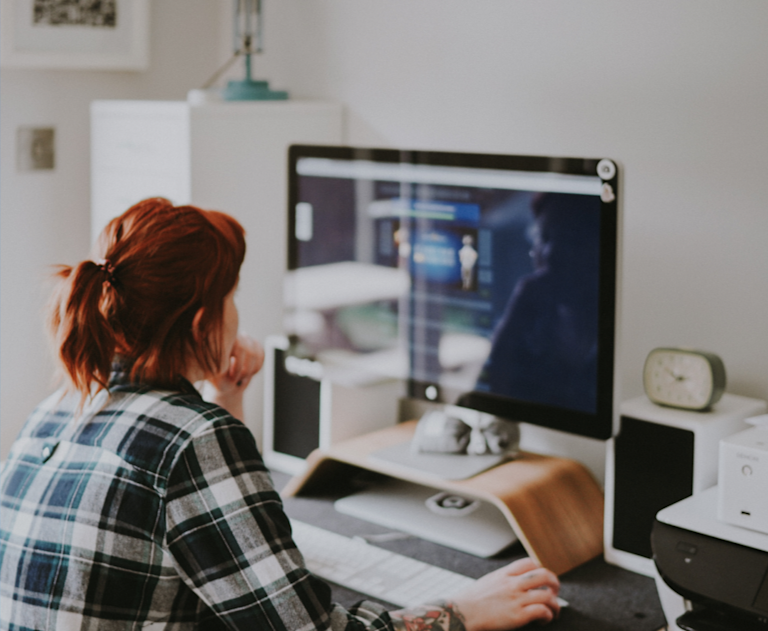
127	499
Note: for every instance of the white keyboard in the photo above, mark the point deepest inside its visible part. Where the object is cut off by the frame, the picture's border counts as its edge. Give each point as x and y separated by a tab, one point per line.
362	567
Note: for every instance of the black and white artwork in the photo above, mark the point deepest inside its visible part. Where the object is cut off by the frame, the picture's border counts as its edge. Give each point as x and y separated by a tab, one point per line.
92	13
86	34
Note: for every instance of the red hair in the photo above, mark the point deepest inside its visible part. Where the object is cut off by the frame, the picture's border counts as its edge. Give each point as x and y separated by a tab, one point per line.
159	265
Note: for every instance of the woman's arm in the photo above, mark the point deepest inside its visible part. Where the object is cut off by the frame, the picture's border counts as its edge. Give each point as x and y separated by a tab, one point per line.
511	597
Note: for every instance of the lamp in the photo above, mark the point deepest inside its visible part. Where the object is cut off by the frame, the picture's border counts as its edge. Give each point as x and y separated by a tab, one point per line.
248	29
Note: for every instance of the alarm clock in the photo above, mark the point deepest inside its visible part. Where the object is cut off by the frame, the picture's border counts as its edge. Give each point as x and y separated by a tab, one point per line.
683	378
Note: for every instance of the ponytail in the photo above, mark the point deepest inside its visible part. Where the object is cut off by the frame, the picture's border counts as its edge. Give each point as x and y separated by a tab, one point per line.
82	333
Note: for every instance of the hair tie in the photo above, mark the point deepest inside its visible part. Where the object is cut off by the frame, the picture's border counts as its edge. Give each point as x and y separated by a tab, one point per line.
106	266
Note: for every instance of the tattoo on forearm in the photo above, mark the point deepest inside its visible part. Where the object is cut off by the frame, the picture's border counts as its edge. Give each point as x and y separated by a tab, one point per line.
440	616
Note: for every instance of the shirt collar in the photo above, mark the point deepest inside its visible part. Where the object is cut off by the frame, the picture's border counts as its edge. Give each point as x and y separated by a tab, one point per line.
121	376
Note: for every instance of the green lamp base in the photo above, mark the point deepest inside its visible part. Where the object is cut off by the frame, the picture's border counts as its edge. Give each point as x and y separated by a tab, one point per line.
250	90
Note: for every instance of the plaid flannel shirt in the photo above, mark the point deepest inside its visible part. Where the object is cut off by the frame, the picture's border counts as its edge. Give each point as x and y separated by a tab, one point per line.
152	506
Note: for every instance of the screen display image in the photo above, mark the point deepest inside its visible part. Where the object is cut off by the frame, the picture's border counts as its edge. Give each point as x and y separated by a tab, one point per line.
484	281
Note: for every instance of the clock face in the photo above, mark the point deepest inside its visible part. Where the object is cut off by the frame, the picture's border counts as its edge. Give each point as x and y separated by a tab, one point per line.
680	378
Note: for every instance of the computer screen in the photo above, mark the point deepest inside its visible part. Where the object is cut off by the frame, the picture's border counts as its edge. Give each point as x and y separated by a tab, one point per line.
485	281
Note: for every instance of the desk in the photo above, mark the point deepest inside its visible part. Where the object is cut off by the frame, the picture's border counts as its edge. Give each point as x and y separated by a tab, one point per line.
602	597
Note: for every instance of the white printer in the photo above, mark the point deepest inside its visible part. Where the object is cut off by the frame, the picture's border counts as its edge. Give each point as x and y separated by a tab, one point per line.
712	576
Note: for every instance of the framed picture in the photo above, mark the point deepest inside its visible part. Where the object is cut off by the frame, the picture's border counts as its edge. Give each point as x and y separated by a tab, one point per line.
86	34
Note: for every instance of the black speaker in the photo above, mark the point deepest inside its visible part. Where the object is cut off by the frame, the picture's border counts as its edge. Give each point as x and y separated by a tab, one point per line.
660	456
653	469
296	419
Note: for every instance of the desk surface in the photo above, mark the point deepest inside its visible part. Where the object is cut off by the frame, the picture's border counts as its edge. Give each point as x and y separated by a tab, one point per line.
602	597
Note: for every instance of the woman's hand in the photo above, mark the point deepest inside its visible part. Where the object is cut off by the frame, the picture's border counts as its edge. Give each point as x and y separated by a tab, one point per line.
245	360
510	597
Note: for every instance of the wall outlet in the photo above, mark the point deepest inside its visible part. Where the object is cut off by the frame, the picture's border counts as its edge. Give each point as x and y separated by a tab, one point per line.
35	148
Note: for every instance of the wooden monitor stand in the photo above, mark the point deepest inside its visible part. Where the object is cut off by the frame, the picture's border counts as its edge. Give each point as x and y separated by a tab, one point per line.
554	505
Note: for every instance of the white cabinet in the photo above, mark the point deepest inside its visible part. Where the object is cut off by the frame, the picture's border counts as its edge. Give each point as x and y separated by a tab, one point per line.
223	156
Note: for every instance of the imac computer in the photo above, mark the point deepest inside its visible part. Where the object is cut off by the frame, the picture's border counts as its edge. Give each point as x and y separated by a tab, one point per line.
487	281
481	281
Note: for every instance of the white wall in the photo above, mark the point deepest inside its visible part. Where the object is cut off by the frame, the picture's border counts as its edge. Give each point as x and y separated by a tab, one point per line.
44	215
677	92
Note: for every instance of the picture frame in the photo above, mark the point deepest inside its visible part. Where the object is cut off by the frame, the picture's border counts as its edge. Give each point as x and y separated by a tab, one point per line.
74	34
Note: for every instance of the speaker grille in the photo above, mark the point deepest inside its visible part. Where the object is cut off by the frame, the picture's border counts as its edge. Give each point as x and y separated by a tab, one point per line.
653	468
297	411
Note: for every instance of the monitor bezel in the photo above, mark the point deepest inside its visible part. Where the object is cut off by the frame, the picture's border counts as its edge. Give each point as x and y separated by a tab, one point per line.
598	425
